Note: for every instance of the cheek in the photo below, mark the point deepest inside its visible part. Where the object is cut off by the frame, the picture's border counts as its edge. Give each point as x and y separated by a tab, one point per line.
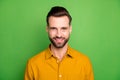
66	34
51	34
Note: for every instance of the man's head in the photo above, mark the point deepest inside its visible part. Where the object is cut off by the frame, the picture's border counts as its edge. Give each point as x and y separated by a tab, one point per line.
58	11
59	26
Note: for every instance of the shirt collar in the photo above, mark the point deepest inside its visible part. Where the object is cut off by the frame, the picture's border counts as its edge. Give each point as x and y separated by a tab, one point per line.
49	53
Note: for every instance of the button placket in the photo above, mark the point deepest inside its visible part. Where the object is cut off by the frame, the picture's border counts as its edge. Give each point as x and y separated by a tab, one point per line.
59	73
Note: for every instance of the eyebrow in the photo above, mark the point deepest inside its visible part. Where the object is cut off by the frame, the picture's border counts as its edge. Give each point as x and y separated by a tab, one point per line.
53	27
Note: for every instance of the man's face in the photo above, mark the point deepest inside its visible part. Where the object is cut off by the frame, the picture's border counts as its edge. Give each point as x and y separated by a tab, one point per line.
59	31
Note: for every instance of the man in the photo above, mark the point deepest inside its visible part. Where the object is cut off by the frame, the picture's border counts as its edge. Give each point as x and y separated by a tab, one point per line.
59	61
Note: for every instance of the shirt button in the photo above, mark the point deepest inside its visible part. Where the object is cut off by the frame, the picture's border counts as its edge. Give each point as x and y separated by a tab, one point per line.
58	61
60	76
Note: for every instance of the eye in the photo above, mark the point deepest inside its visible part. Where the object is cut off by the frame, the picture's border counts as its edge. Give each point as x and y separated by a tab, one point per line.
64	28
52	28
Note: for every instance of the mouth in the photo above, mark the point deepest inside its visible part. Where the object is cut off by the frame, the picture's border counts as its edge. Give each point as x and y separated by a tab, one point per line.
59	40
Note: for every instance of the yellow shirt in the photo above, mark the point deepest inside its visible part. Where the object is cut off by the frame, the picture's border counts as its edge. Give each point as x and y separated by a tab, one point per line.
44	66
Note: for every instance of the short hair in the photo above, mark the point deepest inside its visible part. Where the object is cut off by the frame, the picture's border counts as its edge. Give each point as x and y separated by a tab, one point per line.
58	11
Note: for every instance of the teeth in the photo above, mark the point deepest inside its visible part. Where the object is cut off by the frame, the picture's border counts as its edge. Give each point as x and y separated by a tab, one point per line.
59	40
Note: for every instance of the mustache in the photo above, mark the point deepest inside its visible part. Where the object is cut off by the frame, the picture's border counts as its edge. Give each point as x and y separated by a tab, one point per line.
57	37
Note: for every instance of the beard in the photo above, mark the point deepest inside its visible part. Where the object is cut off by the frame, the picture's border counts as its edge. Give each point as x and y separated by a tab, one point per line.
59	45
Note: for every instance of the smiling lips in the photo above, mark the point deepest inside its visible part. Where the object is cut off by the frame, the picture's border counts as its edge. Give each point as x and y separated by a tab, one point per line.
59	40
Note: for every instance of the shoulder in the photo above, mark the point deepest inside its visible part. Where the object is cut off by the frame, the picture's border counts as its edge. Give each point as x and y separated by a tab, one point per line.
38	57
79	56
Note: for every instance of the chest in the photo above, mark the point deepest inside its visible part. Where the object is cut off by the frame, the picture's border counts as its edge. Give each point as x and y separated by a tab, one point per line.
68	69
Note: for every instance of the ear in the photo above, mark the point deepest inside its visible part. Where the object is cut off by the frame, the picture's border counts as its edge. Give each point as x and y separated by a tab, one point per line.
70	28
46	28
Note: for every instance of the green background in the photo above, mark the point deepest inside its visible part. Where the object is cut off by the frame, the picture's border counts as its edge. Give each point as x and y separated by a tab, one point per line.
96	33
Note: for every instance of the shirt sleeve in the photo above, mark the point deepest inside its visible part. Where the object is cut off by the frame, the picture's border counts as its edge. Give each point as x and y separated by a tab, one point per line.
28	72
89	71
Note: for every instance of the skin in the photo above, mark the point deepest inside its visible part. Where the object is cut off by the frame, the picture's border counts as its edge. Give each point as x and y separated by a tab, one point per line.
59	32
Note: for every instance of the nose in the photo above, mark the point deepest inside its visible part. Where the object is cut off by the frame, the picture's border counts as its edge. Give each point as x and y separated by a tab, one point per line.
59	33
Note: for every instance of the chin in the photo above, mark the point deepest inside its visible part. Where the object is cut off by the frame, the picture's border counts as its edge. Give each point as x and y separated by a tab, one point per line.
59	46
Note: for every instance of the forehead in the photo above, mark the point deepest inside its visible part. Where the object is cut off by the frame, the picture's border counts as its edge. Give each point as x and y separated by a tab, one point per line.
58	21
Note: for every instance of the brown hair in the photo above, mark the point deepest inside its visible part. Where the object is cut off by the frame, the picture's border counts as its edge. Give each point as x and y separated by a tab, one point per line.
58	11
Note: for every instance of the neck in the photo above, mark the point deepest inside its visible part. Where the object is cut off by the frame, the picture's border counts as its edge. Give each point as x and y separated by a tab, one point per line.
59	52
